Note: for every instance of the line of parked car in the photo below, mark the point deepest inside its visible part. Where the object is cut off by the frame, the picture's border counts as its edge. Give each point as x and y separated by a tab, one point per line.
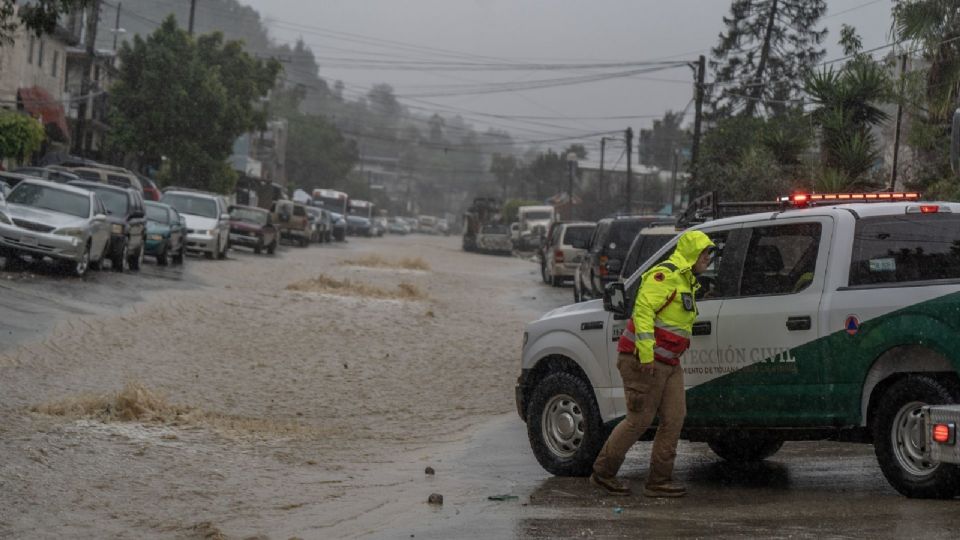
595	254
84	215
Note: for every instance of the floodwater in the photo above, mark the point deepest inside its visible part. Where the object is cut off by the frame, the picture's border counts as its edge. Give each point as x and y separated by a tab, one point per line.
302	396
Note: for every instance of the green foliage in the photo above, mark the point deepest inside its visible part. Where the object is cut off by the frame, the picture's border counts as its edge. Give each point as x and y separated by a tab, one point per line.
933	91
765	49
511	208
187	101
20	135
656	146
846	108
39	16
749	158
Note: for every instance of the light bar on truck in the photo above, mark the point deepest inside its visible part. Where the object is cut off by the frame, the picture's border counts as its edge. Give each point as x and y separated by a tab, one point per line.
801	200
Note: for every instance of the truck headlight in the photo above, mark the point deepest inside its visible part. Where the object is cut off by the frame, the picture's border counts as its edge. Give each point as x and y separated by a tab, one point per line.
116	229
76	233
213	232
155	237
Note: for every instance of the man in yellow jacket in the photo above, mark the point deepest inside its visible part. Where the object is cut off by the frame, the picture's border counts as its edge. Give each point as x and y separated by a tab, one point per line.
649	363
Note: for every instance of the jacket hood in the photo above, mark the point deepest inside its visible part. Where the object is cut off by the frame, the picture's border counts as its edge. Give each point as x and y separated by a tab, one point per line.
688	250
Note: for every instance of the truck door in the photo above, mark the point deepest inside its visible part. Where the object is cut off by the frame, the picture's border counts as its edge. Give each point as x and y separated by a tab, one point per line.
767	341
700	361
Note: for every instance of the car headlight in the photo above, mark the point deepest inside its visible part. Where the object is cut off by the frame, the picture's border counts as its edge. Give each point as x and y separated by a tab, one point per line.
213	232
156	237
116	229
76	233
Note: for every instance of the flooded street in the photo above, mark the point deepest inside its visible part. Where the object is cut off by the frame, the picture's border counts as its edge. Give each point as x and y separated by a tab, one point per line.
304	395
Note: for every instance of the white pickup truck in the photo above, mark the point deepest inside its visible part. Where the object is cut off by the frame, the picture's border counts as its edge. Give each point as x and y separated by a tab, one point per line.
821	321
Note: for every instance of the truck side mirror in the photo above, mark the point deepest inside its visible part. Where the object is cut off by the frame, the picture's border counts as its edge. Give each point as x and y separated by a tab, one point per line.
615	300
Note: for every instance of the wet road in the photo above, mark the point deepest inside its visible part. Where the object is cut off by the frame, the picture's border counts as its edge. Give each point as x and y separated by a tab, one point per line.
807	490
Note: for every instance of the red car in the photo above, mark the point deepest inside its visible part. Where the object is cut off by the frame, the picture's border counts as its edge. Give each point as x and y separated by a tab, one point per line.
150	190
253	227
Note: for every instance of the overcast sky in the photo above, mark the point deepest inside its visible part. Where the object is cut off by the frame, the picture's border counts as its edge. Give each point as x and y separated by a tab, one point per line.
545	31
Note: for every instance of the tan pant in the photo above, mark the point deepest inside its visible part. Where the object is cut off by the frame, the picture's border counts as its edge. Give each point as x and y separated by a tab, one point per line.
660	394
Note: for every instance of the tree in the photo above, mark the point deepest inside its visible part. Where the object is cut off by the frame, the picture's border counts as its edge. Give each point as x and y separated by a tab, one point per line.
933	27
20	135
503	168
182	103
39	16
766	48
657	145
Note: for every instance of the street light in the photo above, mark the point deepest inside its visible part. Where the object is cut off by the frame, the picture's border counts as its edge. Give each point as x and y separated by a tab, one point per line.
571	166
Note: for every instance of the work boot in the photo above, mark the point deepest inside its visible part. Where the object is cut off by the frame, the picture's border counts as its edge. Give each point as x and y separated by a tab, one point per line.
666	489
611	485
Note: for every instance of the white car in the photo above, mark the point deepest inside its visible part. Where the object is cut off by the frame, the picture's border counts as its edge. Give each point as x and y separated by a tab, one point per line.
47	220
208	220
829	322
564	249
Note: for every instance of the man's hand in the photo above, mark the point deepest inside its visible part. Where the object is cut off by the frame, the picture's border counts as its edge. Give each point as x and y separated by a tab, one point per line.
648	369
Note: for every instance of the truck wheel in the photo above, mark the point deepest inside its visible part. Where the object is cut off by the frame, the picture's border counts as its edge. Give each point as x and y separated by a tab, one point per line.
556	281
740	447
120	257
900	442
564	425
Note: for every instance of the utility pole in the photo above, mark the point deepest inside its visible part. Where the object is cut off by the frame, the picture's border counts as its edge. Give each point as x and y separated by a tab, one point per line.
116	26
698	119
629	137
603	147
673	187
193	11
896	137
90	42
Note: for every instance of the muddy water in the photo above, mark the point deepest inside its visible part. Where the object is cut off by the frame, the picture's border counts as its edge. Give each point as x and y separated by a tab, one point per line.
322	393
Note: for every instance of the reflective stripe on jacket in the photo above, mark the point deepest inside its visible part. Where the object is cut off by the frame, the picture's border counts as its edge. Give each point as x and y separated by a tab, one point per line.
665	309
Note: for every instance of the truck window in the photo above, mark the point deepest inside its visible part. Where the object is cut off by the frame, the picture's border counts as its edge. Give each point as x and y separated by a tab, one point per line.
904	249
780	259
720	279
596	242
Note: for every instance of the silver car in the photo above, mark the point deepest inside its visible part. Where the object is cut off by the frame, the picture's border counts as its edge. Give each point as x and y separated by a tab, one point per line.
63	223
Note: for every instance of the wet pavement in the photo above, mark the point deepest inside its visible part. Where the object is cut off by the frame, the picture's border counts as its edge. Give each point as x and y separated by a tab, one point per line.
807	490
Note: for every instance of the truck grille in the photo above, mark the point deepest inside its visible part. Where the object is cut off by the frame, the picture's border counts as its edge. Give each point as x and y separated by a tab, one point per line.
29	225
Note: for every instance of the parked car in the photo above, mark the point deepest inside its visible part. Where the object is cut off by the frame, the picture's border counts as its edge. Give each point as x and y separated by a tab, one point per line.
166	233
494	238
381	225
44	219
128	223
321	223
339	227
443	227
208	221
562	255
606	250
648	242
398	226
108	174
12	179
253	227
150	190
54	175
359	226
292	221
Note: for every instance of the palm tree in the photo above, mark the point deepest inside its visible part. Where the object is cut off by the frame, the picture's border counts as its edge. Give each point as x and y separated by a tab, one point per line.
934	26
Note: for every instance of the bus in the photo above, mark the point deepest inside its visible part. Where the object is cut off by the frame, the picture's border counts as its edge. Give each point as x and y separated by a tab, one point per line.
362	209
332	200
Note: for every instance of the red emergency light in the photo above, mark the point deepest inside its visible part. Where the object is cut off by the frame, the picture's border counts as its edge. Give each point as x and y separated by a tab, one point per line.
802	200
944	433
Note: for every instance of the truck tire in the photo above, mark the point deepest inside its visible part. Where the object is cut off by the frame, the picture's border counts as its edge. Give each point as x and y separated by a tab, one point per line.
564	426
556	281
899	440
743	447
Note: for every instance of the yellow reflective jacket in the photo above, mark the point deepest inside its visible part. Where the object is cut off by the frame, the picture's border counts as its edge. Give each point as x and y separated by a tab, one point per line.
666	309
